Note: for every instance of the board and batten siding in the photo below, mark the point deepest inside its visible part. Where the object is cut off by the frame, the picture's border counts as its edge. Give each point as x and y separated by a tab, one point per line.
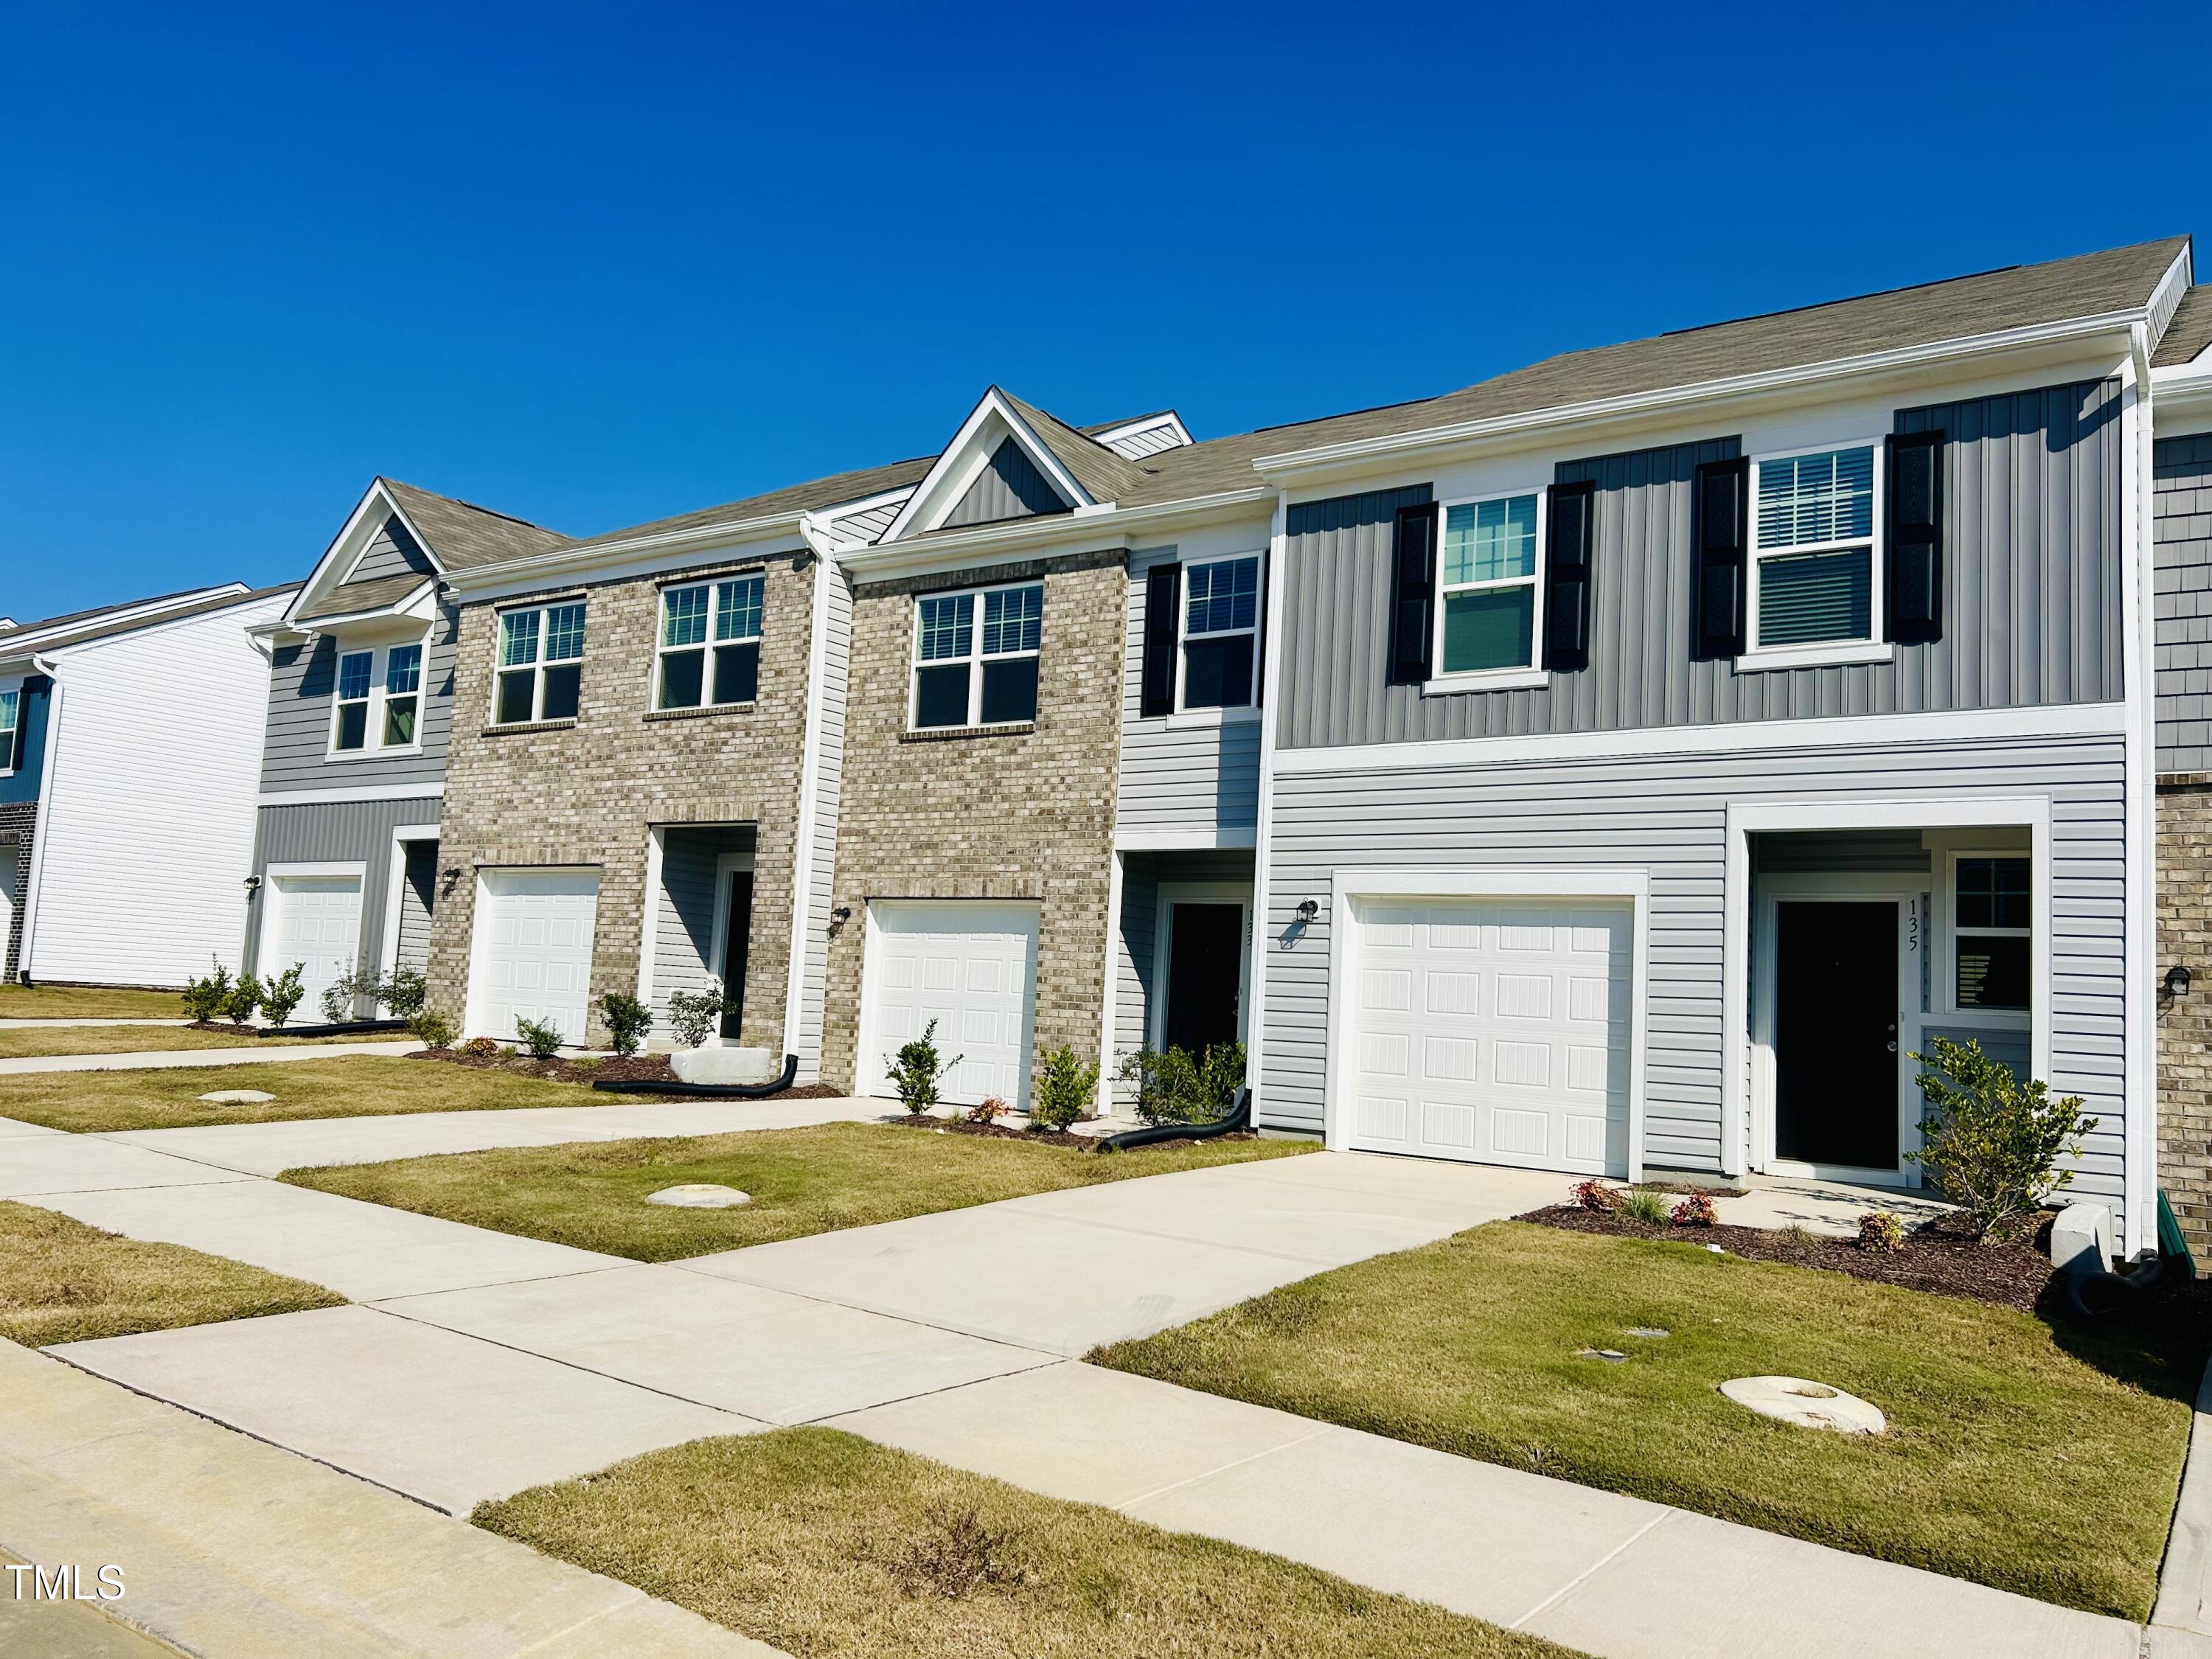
1174	777
1667	815
2031	603
2182	518
1010	487
338	832
302	681
390	552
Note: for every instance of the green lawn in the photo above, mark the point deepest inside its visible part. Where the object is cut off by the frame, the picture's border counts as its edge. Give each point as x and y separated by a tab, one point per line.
823	1544
1999	1423
814	1180
62	1281
354	1085
86	1002
22	1044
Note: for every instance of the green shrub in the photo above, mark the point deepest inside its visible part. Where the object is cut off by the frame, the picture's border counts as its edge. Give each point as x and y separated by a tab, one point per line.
431	1028
540	1039
405	992
628	1022
1992	1142
1064	1090
1651	1208
244	997
481	1048
1880	1230
694	1014
1174	1087
915	1069
1694	1211
338	1001
203	997
282	995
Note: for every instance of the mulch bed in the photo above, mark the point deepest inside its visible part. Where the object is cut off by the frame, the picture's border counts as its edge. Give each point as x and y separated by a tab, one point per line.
638	1068
223	1026
1040	1137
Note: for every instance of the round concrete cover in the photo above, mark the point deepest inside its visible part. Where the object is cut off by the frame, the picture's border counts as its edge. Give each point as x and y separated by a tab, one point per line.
700	1195
1808	1405
238	1096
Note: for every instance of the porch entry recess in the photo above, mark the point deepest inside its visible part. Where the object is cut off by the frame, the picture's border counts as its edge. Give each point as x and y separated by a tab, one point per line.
1836	1042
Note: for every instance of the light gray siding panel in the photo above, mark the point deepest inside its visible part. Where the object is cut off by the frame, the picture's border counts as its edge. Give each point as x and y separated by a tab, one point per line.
2030	604
1667	816
1137	938
1196	778
1010	486
417	891
683	910
838	624
302	680
2181	507
392	553
337	832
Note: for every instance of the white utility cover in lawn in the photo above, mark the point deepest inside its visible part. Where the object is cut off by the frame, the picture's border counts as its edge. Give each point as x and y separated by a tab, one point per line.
318	926
971	967
533	956
1492	1030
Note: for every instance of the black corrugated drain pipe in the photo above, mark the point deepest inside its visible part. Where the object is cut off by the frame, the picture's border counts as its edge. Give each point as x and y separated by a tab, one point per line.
702	1090
1239	1117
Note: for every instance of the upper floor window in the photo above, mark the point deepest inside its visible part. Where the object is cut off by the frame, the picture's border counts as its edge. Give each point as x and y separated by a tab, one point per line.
11	729
541	664
1813	576
976	657
1991	930
374	710
709	649
1220	633
1488	618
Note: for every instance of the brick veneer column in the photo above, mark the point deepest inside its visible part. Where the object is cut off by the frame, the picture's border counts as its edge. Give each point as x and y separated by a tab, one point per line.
2184	1024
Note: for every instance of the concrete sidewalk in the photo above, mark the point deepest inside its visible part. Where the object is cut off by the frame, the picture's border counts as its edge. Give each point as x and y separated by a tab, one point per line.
266	1053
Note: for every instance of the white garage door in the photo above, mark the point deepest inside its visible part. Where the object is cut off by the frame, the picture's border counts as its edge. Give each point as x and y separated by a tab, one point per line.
317	926
534	950
971	967
1492	1031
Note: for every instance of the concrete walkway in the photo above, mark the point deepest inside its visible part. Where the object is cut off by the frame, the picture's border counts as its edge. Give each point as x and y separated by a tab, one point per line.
265	1053
950	1334
2181	1623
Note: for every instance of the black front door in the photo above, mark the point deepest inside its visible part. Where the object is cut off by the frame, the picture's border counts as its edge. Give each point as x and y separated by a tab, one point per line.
1205	966
736	940
1835	1034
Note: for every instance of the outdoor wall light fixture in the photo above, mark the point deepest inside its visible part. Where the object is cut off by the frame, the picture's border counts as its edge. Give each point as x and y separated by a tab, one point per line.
843	912
2176	982
1307	909
253	886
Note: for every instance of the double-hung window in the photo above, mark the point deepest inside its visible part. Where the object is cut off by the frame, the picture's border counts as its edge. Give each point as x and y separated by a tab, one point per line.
403	694
709	650
377	710
976	657
1220	632
541	664
11	730
1991	930
1490	616
1814	578
356	679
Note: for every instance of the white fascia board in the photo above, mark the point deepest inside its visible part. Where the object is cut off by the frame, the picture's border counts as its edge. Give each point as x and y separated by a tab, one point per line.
823	520
26	640
2181	395
1108	527
55	655
353	535
1501	429
919	514
410	608
737	540
343	797
1167	418
2179	275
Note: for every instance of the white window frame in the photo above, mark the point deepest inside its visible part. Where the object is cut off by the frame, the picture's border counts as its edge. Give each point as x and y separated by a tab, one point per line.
1946	988
1492	679
15	729
537	664
1249	710
975	659
1873	648
379	672
661	648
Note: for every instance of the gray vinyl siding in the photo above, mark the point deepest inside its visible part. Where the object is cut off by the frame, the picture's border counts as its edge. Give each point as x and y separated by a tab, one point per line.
392	553
417	898
2181	506
1198	777
683	910
1667	816
1010	486
302	679
829	784
1136	940
870	524
336	832
2032	594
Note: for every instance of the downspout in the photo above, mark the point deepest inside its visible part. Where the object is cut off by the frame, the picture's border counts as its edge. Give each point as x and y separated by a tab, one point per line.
50	668
810	782
1270	700
2140	1184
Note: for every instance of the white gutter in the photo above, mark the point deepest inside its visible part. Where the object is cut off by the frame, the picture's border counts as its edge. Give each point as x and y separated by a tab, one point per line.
2140	940
1105	527
585	557
809	784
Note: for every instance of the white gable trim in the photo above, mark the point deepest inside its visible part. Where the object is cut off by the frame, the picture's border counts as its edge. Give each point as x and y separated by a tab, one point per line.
964	459
377	504
1167	421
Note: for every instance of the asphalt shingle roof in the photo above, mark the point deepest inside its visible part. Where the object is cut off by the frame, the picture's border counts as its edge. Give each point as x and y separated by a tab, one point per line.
810	497
371	594
2189	331
462	534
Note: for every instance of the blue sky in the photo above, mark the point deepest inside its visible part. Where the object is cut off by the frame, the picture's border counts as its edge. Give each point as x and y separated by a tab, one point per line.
592	266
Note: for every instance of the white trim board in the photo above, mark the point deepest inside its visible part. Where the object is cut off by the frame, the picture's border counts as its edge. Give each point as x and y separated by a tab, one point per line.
340	797
1220	838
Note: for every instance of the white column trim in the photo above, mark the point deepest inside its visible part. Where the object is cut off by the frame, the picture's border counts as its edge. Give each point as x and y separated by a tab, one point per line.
809	783
1271	696
1110	1003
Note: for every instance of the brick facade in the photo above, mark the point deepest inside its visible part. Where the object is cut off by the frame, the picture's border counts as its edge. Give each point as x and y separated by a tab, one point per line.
588	792
19	822
2185	1025
1023	812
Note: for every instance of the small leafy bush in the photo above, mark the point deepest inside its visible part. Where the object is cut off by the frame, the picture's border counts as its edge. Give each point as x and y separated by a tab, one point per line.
203	997
245	996
431	1028
405	992
1880	1230
1596	1196
1174	1086
338	999
628	1022
1064	1088
989	1110
1992	1142
694	1014
1694	1211
541	1039
282	995
917	1069
481	1048
1651	1208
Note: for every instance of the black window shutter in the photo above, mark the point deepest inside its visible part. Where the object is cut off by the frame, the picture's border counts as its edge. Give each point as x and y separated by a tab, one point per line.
1721	540
1413	594
1571	535
1163	593
1914	573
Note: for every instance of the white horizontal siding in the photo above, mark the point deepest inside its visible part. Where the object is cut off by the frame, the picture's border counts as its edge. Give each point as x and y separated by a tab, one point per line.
150	826
828	785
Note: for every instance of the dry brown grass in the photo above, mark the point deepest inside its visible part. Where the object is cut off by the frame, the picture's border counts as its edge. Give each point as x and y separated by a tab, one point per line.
37	1043
88	1002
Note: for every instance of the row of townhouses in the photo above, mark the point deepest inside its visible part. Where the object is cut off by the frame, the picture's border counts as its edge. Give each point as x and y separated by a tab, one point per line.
1625	764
